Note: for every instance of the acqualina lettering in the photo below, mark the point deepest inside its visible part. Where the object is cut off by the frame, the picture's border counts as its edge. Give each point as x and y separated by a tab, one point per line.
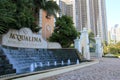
24	38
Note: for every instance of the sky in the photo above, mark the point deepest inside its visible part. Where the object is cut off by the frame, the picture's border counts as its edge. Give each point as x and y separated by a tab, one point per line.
113	12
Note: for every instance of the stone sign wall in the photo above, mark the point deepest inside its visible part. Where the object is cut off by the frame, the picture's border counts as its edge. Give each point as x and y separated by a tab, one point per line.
23	38
53	45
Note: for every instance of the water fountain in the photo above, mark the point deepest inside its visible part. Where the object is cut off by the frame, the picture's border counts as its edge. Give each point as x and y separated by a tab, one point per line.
68	62
77	62
62	62
48	63
28	52
32	67
41	64
26	59
55	63
35	65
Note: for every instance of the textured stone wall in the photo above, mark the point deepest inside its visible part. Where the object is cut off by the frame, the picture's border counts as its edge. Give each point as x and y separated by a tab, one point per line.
23	38
53	45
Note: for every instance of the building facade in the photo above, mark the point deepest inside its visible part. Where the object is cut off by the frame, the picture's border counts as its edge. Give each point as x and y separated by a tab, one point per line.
114	34
100	21
87	13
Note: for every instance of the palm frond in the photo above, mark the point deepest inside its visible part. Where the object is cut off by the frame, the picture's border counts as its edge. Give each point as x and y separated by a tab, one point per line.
51	8
3	29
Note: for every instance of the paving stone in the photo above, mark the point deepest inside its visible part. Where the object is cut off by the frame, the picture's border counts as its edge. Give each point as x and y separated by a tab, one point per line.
106	69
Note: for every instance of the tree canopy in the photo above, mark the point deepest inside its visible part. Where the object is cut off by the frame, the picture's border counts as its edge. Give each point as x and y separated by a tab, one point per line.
112	48
64	31
51	8
16	14
91	37
92	41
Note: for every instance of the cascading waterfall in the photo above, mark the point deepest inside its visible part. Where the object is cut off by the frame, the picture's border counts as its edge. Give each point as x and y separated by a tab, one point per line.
55	63
28	59
41	64
32	67
69	62
62	62
48	63
77	62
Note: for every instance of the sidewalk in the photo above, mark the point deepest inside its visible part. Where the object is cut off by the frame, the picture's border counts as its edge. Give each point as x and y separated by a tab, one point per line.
106	69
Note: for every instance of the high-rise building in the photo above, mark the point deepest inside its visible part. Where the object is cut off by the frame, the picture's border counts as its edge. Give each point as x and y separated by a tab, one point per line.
92	15
114	34
66	7
87	13
100	19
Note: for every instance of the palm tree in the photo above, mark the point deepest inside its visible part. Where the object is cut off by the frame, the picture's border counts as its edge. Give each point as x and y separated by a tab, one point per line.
37	5
16	14
49	6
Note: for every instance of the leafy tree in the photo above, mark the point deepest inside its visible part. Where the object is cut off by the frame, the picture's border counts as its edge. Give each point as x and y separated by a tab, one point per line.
105	48
112	48
92	41
16	14
49	6
91	37
7	9
64	32
24	15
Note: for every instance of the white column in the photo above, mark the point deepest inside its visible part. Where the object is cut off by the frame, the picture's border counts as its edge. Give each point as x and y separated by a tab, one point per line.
85	39
99	48
77	44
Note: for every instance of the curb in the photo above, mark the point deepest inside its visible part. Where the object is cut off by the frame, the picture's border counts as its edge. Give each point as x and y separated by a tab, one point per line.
57	71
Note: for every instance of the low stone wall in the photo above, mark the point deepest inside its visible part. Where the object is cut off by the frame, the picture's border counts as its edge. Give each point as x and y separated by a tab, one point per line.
53	45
